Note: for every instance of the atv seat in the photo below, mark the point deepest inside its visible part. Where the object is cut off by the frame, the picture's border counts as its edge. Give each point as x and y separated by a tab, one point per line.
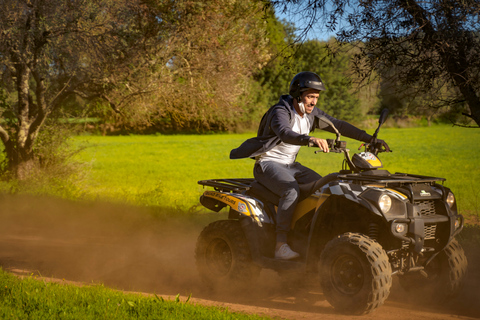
261	192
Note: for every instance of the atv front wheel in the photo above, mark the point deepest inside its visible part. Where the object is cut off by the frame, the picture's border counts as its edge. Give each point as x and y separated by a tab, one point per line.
222	255
444	276
355	274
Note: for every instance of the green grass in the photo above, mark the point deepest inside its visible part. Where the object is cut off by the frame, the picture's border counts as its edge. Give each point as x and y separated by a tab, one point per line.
159	170
163	170
31	298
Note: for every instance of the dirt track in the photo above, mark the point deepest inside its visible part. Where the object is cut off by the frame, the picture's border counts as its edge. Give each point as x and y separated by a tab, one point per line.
125	248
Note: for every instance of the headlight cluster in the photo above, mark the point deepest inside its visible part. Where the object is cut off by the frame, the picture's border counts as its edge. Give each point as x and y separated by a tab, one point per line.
385	203
450	199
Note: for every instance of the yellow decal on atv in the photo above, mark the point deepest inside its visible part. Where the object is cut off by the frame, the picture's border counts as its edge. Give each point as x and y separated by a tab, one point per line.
232	201
375	163
399	193
375	185
307	205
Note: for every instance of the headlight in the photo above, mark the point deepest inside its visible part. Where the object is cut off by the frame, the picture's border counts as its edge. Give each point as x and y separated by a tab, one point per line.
458	223
450	199
385	203
400	228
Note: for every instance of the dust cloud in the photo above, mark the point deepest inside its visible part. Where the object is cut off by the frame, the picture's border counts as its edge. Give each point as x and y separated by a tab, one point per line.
129	248
120	246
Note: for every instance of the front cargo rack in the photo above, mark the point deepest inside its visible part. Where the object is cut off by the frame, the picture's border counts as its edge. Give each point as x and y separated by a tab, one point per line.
388	179
230	185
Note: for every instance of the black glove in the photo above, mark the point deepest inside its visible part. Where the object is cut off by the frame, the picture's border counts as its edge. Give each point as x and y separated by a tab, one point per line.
382	146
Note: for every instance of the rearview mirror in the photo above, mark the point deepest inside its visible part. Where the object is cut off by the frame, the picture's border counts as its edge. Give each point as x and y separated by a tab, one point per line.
383	116
381	120
323	123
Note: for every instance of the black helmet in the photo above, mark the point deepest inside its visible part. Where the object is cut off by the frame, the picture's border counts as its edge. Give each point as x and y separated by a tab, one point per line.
303	81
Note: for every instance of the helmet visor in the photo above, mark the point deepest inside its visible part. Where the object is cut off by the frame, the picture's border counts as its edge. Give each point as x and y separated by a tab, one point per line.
317	85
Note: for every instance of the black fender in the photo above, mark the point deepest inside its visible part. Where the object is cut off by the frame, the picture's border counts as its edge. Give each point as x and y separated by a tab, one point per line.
337	215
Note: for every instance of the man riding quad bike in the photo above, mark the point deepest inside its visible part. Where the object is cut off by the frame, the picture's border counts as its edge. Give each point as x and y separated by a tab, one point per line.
354	229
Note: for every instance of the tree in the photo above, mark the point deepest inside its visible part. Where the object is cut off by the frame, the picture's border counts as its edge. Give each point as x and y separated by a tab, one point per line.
273	77
210	71
195	75
50	49
433	45
182	62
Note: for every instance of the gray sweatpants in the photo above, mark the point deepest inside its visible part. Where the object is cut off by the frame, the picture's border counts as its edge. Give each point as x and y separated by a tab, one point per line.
283	180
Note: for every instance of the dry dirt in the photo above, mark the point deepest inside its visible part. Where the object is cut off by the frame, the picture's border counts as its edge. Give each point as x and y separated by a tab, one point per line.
125	248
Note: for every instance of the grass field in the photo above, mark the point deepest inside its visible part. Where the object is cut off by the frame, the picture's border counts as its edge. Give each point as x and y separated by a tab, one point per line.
33	299
163	170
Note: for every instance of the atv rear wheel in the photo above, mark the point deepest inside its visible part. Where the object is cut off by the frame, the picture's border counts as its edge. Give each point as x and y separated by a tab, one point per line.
445	275
355	274
223	256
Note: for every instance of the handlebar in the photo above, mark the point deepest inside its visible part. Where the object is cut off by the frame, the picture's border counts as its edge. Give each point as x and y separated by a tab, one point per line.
341	146
333	145
374	147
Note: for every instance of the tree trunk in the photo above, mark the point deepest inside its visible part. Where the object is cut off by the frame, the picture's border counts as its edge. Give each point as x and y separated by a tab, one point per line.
24	169
20	160
31	117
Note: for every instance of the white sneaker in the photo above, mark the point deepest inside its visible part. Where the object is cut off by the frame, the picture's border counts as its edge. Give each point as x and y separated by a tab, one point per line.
285	253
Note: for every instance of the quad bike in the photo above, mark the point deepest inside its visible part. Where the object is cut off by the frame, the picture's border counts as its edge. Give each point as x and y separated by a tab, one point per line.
354	230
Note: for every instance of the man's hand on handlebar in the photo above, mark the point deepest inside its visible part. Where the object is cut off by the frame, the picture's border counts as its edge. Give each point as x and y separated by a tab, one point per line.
376	146
321	143
382	146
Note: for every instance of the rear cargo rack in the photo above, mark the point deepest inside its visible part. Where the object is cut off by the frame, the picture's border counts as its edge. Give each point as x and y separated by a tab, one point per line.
228	185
